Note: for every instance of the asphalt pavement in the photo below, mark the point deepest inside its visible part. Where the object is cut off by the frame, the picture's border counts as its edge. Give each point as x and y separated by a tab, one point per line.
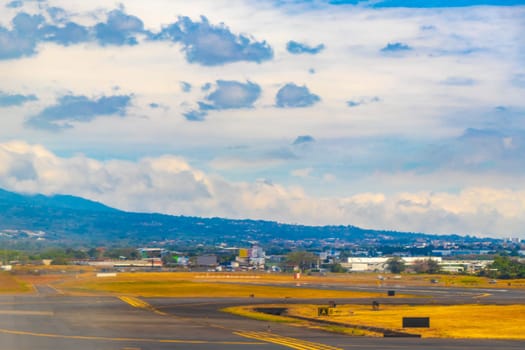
49	320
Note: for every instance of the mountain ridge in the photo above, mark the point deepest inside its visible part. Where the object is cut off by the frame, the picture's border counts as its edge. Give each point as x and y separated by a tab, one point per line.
58	200
70	219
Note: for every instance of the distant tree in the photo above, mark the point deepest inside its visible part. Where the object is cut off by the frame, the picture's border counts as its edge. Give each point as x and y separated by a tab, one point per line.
337	268
225	259
427	266
53	253
77	254
10	255
59	260
305	260
506	268
116	253
433	266
395	265
93	253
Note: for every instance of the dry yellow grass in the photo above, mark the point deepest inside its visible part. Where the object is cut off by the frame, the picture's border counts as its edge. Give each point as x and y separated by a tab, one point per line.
240	284
249	312
174	285
457	321
363	279
202	284
467	281
370	279
32	269
10	284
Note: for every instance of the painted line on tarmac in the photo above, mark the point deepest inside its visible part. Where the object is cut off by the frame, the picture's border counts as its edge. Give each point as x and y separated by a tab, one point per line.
136	302
26	313
285	341
264	336
47	302
140	304
484	295
138	340
440	292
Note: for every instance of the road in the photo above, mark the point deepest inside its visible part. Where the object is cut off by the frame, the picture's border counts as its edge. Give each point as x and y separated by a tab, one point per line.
49	320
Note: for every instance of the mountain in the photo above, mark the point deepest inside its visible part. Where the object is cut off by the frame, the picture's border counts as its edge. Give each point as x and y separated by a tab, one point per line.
56	201
72	220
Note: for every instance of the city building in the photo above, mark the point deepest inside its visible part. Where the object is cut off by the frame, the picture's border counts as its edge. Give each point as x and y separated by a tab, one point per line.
379	264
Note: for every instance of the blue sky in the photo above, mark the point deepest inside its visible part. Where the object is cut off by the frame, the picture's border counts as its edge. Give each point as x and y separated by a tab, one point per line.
399	115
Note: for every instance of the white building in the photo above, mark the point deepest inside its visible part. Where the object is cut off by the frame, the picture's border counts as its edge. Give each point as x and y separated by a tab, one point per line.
378	264
257	256
469	266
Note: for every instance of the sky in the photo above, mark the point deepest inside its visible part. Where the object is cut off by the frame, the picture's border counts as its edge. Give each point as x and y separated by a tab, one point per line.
387	114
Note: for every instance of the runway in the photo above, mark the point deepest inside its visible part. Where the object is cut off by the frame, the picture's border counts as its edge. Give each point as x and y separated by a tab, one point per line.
52	321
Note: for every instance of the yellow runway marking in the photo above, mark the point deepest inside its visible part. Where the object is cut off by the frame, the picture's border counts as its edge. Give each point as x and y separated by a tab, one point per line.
140	304
138	340
264	336
26	313
484	295
286	341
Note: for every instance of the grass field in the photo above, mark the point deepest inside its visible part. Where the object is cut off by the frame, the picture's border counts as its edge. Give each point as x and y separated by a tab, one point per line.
10	284
458	321
248	311
178	285
80	279
445	280
357	279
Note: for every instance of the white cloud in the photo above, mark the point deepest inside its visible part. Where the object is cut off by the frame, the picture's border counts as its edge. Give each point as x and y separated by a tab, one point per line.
392	164
405	85
304	172
169	184
507	142
231	163
329	177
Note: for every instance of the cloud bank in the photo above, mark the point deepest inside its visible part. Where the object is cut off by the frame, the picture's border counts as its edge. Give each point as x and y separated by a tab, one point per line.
295	96
169	184
303	139
420	107
297	48
213	45
228	94
78	108
202	42
9	99
396	48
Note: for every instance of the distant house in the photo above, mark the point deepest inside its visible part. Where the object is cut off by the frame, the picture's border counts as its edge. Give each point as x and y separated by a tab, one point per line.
151	256
255	257
152	253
